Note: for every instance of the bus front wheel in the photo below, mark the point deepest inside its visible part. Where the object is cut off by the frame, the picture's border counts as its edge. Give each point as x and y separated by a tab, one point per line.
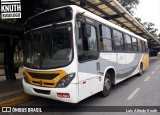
107	85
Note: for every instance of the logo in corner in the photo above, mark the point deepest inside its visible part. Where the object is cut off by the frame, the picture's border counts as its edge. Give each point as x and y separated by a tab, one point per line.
6	109
10	9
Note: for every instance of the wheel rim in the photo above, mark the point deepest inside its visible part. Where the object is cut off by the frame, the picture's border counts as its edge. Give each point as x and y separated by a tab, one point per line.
107	84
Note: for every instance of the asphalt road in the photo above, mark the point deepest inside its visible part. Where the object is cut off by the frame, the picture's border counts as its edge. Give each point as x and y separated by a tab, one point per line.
135	91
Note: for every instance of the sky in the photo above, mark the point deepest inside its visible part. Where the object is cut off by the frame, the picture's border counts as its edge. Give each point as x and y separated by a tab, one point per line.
149	11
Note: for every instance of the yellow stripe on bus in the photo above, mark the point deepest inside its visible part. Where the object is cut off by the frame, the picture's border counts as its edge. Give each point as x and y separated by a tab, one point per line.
145	61
45	82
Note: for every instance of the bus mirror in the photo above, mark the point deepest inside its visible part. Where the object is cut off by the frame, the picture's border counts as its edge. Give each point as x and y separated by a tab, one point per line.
87	31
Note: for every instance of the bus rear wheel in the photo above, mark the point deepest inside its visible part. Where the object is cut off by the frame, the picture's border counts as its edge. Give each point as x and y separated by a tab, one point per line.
140	70
107	85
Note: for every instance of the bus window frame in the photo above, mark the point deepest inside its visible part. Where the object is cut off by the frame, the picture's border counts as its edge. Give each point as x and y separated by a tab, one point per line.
139	40
72	46
146	47
134	45
95	26
100	35
123	50
143	46
130	44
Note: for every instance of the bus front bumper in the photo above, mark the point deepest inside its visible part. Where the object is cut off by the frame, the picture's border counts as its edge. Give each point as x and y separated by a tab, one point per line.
52	93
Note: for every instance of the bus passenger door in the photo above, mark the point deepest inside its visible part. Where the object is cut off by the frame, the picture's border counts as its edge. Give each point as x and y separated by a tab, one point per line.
88	55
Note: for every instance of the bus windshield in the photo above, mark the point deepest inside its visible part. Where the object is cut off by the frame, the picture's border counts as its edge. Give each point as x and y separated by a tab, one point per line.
48	47
49	17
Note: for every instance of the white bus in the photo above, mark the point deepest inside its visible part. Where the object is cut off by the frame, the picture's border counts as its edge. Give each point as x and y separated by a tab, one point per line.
71	54
158	54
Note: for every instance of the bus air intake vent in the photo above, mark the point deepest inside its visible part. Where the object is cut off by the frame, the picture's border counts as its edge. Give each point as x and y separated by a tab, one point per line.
47	92
43	76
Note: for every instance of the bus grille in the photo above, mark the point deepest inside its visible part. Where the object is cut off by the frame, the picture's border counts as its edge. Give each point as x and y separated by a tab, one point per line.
43	76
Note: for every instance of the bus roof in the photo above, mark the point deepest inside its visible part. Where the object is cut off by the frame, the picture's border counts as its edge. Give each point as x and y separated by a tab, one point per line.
88	14
104	21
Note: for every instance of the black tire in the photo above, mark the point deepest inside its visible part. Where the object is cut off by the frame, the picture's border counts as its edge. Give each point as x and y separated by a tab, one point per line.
140	70
107	85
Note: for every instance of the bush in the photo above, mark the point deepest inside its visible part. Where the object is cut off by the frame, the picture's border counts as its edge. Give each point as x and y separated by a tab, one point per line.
18	63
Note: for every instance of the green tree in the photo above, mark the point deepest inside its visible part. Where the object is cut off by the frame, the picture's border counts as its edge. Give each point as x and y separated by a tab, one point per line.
139	20
19	51
8	20
129	5
159	36
151	28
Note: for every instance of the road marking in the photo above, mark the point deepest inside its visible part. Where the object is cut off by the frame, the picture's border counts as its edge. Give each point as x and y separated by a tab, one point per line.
133	94
147	78
153	72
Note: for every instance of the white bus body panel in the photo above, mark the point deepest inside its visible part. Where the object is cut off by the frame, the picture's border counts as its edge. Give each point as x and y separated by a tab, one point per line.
72	89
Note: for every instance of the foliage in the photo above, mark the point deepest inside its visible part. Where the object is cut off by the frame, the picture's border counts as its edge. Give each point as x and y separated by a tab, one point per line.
18	50
129	5
151	28
139	20
18	63
8	20
159	36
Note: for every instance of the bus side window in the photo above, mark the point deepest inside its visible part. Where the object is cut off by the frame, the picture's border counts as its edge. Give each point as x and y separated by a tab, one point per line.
134	44
128	43
105	40
79	37
139	45
146	47
143	46
118	40
87	46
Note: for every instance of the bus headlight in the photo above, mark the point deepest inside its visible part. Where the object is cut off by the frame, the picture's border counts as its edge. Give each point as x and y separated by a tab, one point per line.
25	78
64	82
